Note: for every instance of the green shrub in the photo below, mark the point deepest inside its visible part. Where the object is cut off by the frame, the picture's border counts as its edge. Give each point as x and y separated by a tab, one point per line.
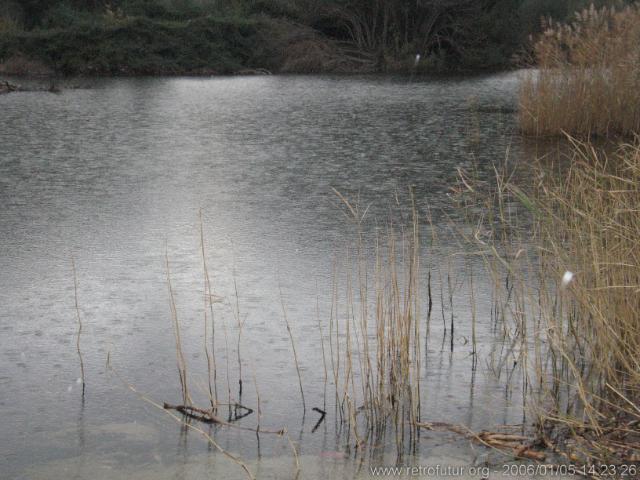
65	15
141	46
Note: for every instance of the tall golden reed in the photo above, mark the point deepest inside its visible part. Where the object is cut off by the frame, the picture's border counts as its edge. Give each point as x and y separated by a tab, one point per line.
570	304
588	78
374	336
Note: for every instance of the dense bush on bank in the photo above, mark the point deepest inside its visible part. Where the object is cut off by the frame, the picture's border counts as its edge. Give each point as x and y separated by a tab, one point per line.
214	36
140	46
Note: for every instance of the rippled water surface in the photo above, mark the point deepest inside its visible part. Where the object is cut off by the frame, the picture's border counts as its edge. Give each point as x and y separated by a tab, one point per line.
115	174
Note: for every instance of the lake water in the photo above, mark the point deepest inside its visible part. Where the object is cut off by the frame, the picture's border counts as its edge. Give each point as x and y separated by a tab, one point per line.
116	174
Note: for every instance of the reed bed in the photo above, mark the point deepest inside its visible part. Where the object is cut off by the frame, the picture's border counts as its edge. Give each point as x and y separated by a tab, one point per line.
591	242
564	256
187	412
375	337
587	81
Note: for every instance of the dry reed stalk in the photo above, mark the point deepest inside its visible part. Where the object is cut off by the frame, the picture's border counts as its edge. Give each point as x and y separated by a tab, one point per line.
450	296
226	353
258	407
208	302
474	340
334	353
324	357
240	324
414	275
77	309
296	457
378	364
293	347
182	366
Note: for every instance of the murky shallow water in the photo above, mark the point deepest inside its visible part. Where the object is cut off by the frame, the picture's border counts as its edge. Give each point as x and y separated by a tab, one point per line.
114	174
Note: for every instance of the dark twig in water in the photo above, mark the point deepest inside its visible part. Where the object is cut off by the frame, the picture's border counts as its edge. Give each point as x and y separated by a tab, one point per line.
209	438
200	414
320	420
450	303
238	416
207	416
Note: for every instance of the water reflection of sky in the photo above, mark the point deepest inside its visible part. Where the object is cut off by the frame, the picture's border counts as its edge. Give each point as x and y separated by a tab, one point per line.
109	175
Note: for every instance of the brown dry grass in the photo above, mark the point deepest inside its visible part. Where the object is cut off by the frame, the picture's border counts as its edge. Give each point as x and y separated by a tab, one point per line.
374	336
588	77
592	228
577	341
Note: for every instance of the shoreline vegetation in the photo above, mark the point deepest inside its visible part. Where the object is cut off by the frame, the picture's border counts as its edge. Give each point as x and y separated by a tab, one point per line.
561	250
587	81
574	264
212	37
562	253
